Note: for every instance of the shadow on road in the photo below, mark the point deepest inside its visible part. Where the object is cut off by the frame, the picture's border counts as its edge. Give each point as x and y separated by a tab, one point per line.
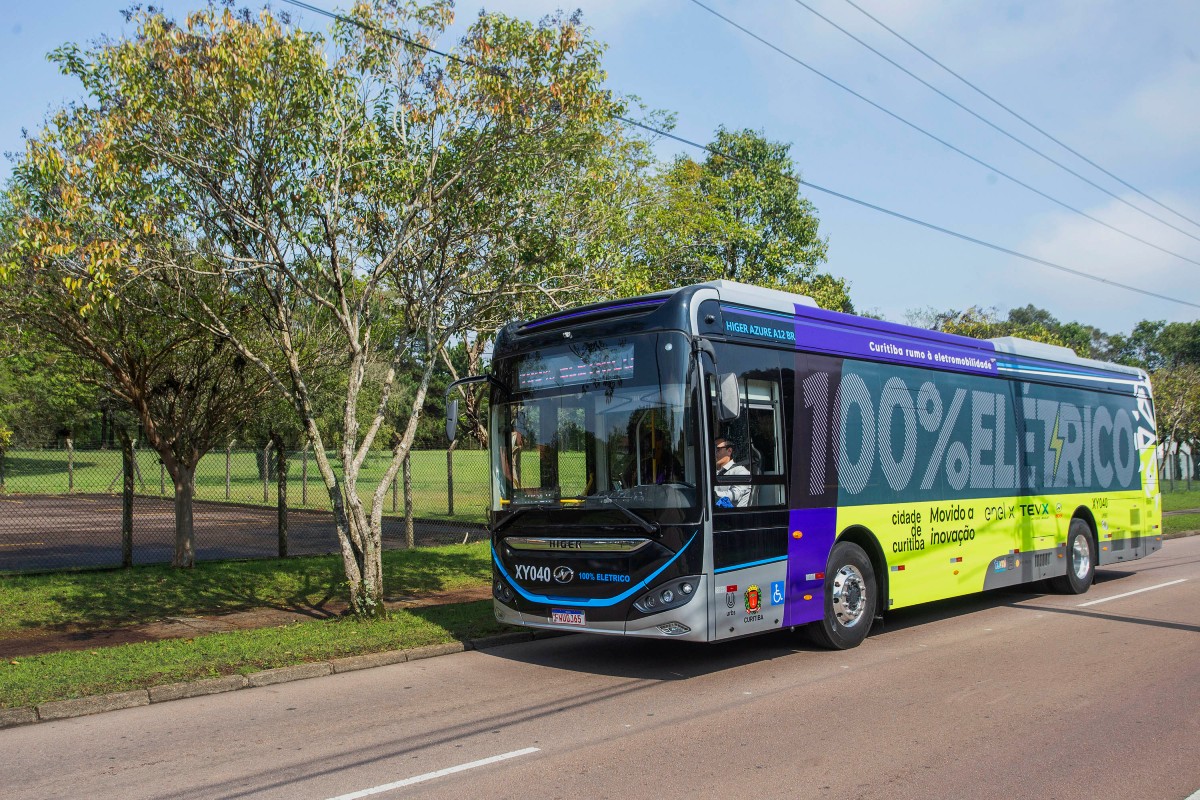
665	660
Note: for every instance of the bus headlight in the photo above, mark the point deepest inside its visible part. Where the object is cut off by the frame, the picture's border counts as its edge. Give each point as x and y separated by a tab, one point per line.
669	595
501	591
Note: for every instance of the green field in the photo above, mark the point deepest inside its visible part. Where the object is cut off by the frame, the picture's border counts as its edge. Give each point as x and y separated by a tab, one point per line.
98	471
1180	498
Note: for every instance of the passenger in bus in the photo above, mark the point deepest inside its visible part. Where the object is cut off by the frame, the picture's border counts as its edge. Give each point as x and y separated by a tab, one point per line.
730	495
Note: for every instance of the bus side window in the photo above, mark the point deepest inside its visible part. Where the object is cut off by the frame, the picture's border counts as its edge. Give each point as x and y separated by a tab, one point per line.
757	434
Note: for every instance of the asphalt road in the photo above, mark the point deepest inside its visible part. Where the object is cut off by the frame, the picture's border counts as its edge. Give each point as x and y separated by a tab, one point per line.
1009	695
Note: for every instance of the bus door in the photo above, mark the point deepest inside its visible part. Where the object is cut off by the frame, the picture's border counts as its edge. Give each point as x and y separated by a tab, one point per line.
749	497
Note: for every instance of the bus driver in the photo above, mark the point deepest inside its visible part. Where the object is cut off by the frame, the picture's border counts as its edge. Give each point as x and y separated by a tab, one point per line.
728	495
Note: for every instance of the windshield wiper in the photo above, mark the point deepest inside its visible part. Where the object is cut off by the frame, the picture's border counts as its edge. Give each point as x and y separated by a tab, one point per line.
648	527
641	522
504	523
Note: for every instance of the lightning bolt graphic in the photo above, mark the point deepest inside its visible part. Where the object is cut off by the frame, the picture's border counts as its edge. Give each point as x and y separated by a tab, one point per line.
1056	444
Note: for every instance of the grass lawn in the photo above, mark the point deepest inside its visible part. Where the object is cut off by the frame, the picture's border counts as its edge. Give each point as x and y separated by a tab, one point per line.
1180	498
79	673
1178	523
143	594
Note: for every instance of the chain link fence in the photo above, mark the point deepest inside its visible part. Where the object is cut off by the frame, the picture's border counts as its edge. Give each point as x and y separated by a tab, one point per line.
64	508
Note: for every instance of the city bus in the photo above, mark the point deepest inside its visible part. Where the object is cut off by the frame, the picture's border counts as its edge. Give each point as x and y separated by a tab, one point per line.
864	466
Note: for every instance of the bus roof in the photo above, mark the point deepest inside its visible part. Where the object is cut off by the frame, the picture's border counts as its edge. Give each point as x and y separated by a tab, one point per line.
806	309
818	329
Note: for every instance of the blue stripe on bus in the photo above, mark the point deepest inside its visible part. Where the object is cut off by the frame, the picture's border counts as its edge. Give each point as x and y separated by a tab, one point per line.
751	564
593	602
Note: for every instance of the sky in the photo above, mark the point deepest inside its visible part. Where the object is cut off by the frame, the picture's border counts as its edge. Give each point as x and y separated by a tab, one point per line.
1118	82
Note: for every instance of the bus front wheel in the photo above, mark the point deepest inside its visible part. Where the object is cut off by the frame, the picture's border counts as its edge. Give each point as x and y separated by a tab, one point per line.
849	599
1081	564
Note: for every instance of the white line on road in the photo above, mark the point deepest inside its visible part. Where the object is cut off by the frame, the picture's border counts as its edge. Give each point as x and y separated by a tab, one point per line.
387	787
1135	591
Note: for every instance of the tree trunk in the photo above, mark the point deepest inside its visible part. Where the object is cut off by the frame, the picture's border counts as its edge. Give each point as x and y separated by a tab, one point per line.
281	494
410	539
304	476
185	536
1190	465
450	479
266	472
127	462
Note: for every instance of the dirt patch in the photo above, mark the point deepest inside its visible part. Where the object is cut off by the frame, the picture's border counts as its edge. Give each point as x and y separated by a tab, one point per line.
51	640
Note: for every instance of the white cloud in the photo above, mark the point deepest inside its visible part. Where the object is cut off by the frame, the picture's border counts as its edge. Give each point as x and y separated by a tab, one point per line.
1078	243
1166	111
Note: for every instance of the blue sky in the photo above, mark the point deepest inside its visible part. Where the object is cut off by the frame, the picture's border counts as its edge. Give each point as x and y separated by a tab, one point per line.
1118	81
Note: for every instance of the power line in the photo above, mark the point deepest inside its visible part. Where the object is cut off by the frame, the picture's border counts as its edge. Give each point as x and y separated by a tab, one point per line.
942	141
757	169
915	221
1052	138
993	125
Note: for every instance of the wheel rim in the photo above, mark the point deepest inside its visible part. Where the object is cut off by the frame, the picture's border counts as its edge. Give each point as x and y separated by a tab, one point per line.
849	596
1081	557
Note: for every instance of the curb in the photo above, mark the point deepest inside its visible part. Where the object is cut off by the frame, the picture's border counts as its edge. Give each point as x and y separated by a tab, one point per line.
84	706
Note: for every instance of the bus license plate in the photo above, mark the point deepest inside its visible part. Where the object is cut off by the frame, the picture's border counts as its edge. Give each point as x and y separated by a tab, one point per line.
565	616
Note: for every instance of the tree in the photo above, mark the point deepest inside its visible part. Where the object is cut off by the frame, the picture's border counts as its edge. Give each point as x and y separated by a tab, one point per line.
1028	322
71	273
1177	410
738	216
340	196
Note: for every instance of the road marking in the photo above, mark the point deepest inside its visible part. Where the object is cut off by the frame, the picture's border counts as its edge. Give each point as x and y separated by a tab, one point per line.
387	787
21	544
1135	591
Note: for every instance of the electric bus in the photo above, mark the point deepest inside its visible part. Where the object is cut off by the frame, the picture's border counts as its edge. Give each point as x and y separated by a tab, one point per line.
878	466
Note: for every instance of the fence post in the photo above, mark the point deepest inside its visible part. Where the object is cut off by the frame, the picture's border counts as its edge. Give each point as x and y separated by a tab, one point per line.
304	475
410	538
395	491
281	502
127	464
228	456
450	480
70	465
162	477
3	488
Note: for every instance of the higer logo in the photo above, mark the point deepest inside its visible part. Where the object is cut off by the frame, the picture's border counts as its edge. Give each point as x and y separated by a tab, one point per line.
564	574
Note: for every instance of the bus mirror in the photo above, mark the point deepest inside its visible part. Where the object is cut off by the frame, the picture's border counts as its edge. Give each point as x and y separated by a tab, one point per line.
729	401
451	420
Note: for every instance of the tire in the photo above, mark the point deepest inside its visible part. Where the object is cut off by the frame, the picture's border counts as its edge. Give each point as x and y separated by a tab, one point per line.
849	599
1081	560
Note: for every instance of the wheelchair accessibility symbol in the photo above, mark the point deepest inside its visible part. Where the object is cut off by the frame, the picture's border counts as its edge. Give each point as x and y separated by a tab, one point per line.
777	593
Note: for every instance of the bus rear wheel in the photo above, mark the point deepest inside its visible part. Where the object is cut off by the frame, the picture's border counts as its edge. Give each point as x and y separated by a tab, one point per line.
1081	564
849	599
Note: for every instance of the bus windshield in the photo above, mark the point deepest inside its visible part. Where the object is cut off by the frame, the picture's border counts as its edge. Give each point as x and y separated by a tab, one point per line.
602	421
